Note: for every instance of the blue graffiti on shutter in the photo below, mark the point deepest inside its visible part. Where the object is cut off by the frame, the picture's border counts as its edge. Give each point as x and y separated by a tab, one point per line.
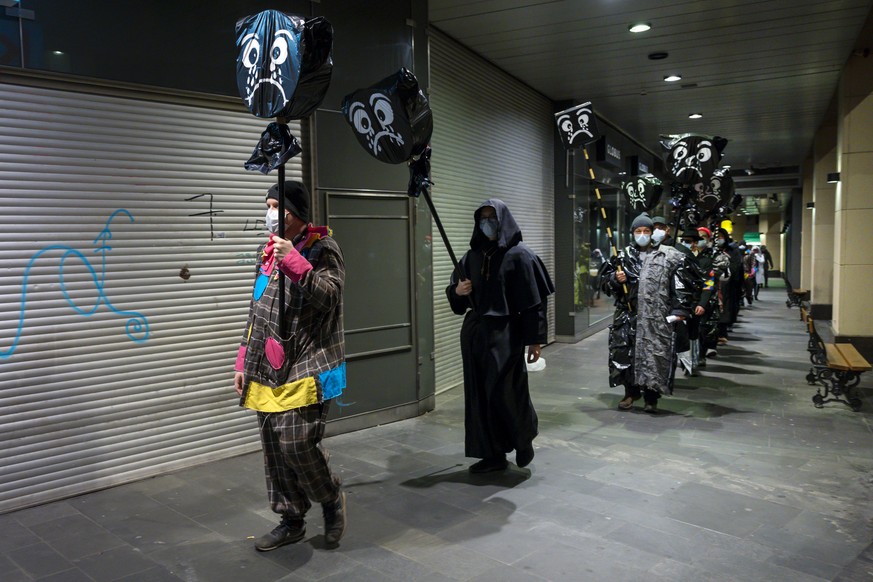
137	327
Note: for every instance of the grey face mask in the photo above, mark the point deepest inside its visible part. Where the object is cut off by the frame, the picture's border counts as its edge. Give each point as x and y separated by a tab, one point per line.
642	239
658	235
488	226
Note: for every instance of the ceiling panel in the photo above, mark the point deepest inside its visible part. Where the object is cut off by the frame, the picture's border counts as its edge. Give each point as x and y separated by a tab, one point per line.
762	73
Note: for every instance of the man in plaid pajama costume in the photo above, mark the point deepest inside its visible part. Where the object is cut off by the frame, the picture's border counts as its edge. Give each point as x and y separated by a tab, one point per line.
290	380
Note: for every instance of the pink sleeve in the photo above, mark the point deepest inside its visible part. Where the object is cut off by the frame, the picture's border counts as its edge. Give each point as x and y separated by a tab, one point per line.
240	359
295	266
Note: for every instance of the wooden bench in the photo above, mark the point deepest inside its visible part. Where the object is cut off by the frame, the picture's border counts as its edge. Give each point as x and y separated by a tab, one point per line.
837	367
795	296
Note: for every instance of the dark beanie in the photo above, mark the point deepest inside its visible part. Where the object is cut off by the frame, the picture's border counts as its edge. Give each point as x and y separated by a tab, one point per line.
642	220
296	198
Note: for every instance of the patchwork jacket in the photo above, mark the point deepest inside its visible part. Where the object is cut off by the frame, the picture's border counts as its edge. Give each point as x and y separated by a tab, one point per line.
307	366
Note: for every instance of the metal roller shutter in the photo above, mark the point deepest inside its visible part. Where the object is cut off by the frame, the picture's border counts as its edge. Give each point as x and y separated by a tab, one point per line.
127	251
492	138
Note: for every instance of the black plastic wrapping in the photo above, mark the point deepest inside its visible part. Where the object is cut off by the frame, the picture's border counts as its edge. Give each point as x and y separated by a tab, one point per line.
276	146
715	193
392	119
642	193
284	66
692	158
419	174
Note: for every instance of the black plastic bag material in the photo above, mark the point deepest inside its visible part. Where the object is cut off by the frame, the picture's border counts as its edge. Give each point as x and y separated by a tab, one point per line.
391	119
692	158
419	174
577	126
276	146
284	64
715	193
642	193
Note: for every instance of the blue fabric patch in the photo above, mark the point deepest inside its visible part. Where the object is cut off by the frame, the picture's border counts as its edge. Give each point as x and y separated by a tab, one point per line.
260	286
333	382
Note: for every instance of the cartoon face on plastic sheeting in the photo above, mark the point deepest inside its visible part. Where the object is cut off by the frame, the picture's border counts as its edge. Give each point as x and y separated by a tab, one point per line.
692	158
392	119
718	191
577	126
374	119
268	65
642	192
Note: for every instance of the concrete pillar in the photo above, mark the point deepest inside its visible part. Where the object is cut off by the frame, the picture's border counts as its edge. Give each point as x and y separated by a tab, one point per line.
824	197
771	225
853	259
806	228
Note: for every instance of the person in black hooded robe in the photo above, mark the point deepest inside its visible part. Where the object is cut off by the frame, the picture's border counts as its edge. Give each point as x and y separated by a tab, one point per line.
504	299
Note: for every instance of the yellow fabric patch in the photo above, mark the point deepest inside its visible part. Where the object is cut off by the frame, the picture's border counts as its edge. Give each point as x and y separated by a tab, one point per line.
286	397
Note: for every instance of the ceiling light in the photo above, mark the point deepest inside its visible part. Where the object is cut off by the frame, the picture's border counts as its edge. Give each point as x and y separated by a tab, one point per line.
673	78
639	27
57	53
695	116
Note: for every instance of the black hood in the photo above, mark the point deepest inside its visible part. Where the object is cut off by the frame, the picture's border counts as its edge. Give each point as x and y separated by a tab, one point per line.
508	235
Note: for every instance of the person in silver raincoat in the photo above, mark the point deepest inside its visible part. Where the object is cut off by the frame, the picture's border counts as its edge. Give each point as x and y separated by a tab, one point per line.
653	289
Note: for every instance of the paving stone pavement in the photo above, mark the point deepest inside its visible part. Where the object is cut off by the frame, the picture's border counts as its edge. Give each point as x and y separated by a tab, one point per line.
738	478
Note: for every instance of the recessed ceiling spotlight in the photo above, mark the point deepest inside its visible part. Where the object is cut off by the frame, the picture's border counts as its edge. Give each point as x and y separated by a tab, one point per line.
658	55
58	53
673	78
639	27
695	116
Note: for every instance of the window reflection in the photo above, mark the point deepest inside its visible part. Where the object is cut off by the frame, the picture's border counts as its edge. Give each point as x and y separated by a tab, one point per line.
592	248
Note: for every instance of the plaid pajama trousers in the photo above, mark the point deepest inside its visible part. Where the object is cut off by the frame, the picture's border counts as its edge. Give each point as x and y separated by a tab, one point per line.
296	465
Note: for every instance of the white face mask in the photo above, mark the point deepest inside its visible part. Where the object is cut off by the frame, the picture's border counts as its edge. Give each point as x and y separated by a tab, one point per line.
642	240
658	235
272	220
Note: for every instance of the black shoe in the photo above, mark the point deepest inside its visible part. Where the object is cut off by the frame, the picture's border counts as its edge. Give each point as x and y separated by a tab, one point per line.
287	532
524	455
334	519
489	465
651	408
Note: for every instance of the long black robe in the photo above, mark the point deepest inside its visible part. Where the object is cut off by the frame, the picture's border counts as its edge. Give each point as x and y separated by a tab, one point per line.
505	312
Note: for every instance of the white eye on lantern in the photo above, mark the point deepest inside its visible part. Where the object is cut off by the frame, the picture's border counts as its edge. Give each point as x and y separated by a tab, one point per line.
582	119
680	151
704	155
383	110
565	123
251	52
279	50
360	118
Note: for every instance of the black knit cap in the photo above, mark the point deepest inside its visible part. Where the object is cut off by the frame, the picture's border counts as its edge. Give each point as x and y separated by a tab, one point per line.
642	220
296	198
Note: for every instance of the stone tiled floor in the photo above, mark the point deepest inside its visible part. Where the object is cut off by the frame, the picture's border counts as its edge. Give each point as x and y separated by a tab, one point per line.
738	478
